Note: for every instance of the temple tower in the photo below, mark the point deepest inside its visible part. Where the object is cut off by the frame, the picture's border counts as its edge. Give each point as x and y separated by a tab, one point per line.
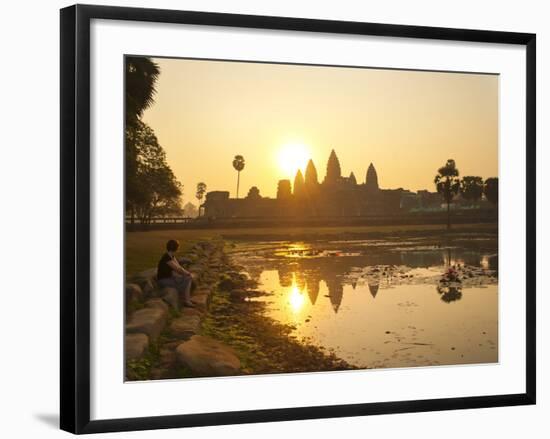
299	184
333	169
371	181
311	178
284	190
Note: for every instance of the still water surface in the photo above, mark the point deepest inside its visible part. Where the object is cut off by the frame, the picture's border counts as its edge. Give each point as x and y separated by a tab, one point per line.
384	303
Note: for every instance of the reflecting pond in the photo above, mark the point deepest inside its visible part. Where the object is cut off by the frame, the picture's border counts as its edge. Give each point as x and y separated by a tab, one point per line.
392	302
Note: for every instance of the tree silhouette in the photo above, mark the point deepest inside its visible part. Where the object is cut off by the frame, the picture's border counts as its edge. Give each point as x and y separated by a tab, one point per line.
299	184
283	190
141	75
471	188
238	164
201	190
491	190
254	193
448	185
151	187
190	210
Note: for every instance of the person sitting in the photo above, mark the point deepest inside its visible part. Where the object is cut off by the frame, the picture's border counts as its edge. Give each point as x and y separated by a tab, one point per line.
171	274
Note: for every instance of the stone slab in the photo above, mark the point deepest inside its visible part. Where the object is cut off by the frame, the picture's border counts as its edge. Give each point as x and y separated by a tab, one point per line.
150	321
185	326
205	356
135	345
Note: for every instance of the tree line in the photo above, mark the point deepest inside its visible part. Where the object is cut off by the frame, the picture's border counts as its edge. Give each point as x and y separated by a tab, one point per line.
151	187
471	188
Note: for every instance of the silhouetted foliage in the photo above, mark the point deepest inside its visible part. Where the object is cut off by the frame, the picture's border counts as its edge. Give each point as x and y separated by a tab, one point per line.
151	187
190	210
283	190
254	193
491	190
471	188
447	184
238	164
141	75
201	190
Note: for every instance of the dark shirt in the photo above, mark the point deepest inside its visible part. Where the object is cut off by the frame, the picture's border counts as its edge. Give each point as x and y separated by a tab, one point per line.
163	269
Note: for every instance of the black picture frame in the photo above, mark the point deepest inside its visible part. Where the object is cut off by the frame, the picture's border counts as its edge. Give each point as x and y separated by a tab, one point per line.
75	217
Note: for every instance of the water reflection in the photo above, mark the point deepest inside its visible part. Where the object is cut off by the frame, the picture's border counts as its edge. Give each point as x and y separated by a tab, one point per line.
450	293
303	267
296	299
285	275
450	284
490	262
329	290
335	291
373	288
303	276
312	283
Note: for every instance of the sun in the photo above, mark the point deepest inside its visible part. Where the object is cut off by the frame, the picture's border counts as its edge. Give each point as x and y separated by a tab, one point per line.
291	157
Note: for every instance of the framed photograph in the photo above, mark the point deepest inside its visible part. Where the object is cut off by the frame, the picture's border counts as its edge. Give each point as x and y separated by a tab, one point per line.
268	218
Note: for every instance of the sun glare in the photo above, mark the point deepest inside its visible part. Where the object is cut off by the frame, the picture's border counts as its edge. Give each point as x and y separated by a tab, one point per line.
293	156
296	299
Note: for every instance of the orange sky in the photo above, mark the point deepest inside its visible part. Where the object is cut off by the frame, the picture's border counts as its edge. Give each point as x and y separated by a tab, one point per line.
407	123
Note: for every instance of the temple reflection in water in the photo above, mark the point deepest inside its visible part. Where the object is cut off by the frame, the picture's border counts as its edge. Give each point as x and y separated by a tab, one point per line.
399	301
302	276
307	280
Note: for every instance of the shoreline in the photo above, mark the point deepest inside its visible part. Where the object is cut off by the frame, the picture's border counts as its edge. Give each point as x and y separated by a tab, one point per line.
142	247
227	320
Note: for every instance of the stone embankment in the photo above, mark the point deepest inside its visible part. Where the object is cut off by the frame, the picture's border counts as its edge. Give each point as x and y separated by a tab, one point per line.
162	338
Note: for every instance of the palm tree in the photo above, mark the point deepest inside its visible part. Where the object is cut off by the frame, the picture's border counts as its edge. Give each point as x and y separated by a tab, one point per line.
141	75
201	190
238	164
448	185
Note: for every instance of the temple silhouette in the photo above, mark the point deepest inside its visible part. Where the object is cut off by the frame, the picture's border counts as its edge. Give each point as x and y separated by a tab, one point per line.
335	196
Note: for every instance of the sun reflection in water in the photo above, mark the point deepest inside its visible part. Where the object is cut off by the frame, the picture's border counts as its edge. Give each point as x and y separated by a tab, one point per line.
296	298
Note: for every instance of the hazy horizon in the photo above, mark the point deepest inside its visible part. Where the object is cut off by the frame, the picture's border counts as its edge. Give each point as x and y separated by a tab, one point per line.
407	123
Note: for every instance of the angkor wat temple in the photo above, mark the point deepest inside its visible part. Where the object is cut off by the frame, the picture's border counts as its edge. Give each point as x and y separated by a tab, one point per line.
335	196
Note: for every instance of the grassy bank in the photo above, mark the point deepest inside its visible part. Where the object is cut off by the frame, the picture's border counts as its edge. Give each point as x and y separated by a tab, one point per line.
143	249
262	344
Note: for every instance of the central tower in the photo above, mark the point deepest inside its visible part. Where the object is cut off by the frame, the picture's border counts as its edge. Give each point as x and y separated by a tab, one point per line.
334	173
